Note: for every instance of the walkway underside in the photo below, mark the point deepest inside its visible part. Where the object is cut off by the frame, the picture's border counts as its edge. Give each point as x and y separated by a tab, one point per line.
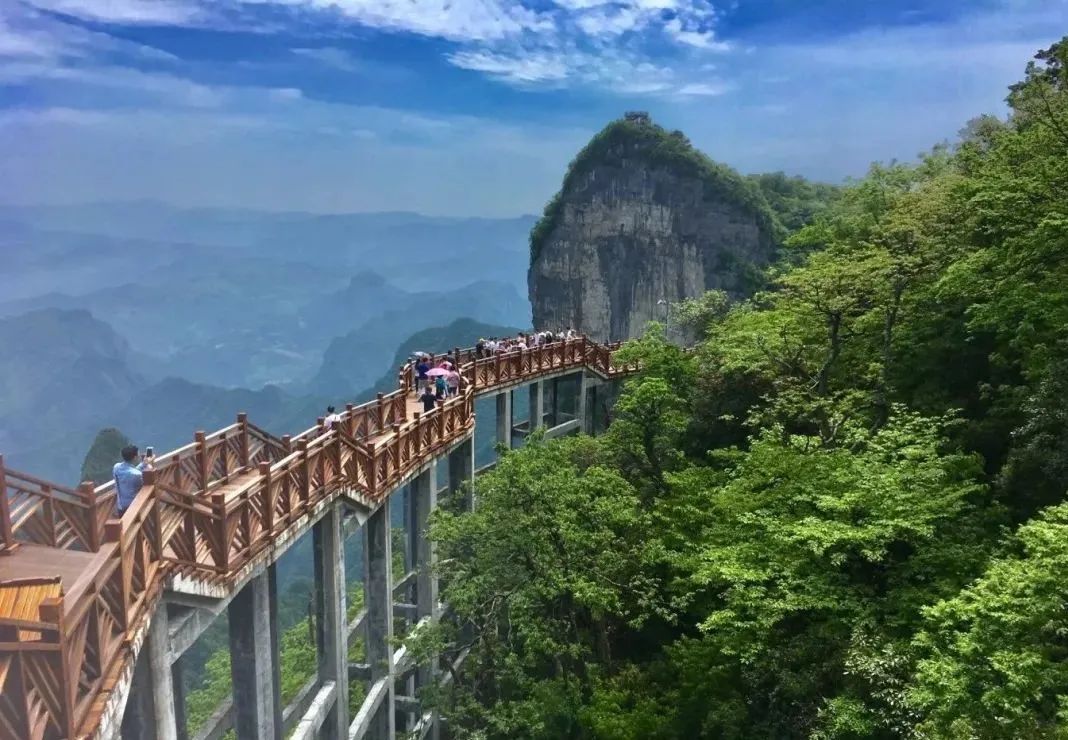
78	589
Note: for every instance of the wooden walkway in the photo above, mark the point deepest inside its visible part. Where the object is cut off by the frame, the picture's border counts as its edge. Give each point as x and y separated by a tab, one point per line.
206	512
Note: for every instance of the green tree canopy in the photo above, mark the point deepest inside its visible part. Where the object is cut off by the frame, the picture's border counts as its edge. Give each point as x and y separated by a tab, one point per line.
105	451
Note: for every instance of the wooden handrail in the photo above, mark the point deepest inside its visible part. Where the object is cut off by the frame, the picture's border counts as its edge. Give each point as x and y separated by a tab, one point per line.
184	520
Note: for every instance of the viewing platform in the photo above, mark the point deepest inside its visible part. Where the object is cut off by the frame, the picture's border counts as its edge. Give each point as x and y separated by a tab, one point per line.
87	600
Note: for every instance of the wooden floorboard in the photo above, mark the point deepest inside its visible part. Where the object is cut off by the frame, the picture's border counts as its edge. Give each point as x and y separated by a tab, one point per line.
33	561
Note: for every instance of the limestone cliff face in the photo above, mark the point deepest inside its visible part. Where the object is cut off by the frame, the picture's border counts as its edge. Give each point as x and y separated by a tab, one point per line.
642	218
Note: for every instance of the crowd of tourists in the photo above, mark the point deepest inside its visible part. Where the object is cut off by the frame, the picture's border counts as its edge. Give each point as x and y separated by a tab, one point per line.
434	382
496	345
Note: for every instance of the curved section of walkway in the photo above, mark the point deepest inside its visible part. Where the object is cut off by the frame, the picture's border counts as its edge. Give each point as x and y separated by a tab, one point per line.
205	514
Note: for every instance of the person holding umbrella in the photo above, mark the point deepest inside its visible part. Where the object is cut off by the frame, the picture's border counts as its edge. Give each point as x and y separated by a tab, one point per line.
438	374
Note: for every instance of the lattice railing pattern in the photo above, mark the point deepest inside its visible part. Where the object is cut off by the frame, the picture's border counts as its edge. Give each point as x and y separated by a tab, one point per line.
207	510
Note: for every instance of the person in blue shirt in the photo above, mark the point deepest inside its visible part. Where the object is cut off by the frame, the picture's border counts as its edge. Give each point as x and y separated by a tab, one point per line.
422	368
128	478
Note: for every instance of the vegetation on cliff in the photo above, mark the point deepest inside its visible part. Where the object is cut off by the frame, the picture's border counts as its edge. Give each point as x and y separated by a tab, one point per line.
105	451
636	137
842	516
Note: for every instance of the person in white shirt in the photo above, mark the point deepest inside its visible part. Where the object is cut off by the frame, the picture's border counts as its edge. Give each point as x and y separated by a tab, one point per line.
331	417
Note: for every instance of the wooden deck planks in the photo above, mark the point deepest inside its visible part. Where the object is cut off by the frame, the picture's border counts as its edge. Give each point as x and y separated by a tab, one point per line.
41	561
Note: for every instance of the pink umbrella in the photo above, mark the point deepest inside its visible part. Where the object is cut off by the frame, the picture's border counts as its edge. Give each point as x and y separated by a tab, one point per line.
436	371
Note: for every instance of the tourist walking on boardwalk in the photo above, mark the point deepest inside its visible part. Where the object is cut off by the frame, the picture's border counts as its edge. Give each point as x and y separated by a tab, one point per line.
453	381
440	387
331	417
129	477
421	369
429	399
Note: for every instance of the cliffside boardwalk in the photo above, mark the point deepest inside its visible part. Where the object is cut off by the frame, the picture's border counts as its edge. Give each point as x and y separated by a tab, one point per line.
95	612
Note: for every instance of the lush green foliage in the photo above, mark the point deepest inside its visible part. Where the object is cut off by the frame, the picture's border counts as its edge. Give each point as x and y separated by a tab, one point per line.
298	660
842	515
795	200
105	451
637	136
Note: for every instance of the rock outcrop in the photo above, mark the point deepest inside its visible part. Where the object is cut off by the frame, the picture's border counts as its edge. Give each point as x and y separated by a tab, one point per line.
642	220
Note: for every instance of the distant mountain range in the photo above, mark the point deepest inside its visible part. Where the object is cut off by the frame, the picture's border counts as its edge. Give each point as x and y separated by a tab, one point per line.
262	294
160	321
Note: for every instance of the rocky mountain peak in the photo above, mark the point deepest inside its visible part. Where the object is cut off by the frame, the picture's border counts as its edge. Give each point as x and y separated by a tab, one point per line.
644	219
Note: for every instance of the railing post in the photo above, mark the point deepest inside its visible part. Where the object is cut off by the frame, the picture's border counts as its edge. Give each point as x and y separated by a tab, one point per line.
50	513
306	479
268	507
222	556
51	611
417	445
242	420
85	488
382	423
113	535
350	419
202	459
287	443
8	545
372	478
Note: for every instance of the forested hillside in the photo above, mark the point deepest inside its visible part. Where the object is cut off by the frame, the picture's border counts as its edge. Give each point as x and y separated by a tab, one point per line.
842	516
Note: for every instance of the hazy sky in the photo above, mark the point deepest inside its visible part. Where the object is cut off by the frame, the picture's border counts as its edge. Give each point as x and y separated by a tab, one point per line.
475	107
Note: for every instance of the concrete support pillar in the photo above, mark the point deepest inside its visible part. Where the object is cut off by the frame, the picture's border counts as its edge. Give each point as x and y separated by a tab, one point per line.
378	595
537	405
554	402
179	699
150	708
254	660
504	419
332	628
424	500
159	661
138	720
462	470
582	403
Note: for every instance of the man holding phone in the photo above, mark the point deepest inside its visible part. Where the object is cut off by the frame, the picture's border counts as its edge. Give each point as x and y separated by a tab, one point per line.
129	478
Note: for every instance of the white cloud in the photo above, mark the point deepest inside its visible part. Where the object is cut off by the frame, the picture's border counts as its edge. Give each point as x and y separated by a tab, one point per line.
154	12
455	20
528	68
330	56
703	89
698	39
285	94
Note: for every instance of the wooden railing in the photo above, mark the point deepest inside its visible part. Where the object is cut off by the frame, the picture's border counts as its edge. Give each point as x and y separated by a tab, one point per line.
207	511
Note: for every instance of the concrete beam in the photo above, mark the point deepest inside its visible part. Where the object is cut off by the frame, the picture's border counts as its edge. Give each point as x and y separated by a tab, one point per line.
504	419
462	471
561	429
359	672
378	594
407	703
405	611
219	723
254	660
366	720
186	626
332	632
537	406
295	710
317	714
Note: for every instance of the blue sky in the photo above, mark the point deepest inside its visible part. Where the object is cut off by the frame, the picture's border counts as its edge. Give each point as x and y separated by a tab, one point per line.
475	107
